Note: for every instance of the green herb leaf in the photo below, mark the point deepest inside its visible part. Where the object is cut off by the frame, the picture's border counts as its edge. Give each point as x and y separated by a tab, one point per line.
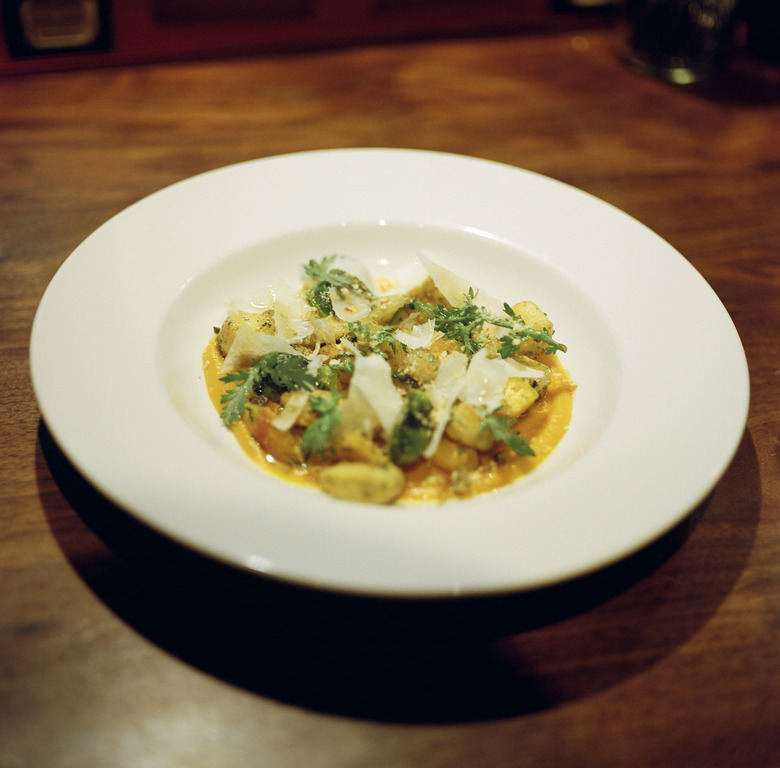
463	323
287	372
370	338
501	427
344	363
236	399
521	332
325	276
315	438
459	323
268	376
319	298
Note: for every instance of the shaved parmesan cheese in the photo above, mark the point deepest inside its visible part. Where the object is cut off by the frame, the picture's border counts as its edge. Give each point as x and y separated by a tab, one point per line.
419	337
323	331
523	371
402	278
356	414
348	305
345	343
454	288
291	313
249	345
372	385
315	363
443	393
353	266
292	410
486	379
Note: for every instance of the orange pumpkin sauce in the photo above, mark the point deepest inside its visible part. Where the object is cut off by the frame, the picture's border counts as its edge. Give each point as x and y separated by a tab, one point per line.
544	425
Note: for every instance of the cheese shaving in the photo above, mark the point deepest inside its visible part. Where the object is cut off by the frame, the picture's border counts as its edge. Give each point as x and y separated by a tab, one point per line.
291	313
443	392
295	405
454	288
420	336
356	267
348	305
372	384
487	377
249	345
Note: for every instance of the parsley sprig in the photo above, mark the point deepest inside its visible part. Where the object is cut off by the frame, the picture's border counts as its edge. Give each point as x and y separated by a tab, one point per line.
463	324
268	376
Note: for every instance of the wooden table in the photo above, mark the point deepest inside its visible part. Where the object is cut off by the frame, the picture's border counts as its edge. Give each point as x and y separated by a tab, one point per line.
118	648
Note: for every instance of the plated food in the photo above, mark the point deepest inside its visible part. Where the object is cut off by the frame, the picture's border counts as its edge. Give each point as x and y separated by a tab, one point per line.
133	417
380	395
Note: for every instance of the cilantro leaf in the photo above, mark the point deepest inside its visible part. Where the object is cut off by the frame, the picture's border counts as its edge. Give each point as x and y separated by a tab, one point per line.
315	438
501	427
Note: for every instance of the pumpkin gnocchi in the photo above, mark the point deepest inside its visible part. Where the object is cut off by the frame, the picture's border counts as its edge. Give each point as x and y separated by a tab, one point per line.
382	398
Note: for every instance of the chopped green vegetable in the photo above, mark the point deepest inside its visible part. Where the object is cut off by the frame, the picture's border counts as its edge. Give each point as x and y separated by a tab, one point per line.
413	432
315	438
319	298
501	427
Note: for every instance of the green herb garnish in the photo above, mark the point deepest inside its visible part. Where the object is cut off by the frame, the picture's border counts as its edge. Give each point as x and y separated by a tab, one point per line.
269	376
520	332
235	400
501	427
370	338
344	363
463	324
315	438
287	372
326	276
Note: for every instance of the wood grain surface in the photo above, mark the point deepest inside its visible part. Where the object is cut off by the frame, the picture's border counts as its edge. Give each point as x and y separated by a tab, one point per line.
118	648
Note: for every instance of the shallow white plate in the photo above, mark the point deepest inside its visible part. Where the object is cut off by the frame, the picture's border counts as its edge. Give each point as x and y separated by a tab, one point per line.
662	380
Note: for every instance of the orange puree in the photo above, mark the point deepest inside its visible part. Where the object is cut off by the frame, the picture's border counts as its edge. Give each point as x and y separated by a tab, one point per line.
544	424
